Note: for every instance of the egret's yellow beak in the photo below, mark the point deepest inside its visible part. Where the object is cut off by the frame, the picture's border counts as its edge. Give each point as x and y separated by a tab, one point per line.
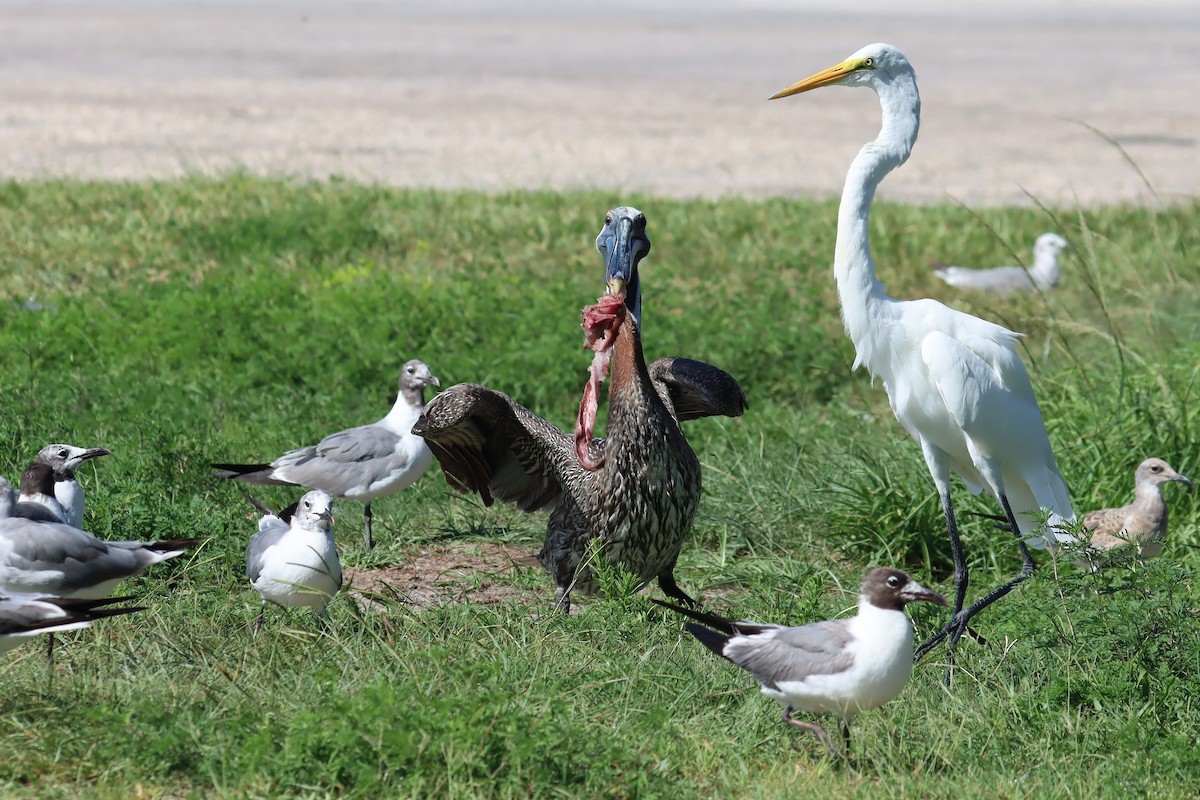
823	78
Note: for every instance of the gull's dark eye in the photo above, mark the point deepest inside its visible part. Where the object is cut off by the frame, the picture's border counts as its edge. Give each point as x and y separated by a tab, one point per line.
893	582
63	453
411	370
608	219
1155	468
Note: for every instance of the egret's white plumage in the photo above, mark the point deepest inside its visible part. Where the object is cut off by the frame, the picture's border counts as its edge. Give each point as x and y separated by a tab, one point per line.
1044	274
954	381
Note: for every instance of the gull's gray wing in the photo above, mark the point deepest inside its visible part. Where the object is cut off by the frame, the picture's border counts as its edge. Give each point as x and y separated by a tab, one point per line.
24	613
693	389
270	530
793	654
357	457
488	443
52	557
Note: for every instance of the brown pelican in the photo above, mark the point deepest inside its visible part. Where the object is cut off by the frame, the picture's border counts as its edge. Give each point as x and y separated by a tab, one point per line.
635	492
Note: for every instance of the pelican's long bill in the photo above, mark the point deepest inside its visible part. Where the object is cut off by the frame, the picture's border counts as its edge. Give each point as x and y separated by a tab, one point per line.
826	77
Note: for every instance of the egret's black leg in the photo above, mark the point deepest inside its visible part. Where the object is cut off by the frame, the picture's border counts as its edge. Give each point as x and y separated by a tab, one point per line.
961	581
959	623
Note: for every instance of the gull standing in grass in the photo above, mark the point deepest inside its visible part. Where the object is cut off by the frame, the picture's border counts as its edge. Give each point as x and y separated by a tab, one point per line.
1043	275
65	460
954	381
1144	521
362	463
296	564
837	666
26	615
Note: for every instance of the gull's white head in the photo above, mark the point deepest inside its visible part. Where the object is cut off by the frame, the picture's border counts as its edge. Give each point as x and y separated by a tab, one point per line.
1154	471
1049	244
65	459
315	511
875	66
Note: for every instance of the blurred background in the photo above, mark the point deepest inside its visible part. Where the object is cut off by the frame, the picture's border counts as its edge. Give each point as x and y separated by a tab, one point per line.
1048	101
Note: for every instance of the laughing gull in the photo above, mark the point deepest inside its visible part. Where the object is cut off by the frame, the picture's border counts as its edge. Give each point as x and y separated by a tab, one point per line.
1043	275
360	463
36	500
65	460
45	557
296	564
26	615
1144	521
836	666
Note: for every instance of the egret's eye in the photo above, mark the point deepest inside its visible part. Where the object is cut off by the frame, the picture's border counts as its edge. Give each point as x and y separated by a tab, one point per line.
869	62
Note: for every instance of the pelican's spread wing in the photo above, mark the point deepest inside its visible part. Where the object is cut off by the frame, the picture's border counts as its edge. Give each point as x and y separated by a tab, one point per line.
489	444
693	389
791	655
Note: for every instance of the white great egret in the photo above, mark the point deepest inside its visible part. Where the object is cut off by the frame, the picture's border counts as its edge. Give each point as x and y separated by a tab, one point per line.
1043	275
954	381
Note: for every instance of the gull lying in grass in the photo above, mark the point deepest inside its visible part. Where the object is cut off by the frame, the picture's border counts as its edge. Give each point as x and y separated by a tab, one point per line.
360	463
296	564
45	557
836	666
1044	274
1142	523
26	615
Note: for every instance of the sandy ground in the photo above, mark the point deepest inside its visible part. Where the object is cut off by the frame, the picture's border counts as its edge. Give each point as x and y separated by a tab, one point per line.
661	96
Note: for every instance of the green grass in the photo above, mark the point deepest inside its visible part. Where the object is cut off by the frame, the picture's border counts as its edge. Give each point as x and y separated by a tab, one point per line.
199	321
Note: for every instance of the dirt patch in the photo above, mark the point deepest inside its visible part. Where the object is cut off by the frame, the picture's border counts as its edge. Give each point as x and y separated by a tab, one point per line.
452	573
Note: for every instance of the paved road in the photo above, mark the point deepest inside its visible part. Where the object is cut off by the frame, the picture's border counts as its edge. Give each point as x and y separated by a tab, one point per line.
665	96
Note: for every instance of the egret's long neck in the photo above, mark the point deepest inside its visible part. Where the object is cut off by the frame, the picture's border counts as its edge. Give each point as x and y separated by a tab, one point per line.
858	288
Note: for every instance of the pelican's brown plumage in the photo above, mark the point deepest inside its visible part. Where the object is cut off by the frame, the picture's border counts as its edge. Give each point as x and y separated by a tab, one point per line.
638	489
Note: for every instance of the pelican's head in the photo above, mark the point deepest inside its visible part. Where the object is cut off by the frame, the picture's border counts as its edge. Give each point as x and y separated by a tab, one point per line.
623	243
875	65
1049	245
65	459
315	511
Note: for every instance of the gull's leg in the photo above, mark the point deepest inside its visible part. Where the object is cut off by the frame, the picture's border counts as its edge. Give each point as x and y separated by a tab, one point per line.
258	621
816	730
50	651
369	540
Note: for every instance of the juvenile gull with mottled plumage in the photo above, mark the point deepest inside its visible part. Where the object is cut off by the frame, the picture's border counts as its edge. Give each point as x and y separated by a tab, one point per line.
835	666
1144	521
362	463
